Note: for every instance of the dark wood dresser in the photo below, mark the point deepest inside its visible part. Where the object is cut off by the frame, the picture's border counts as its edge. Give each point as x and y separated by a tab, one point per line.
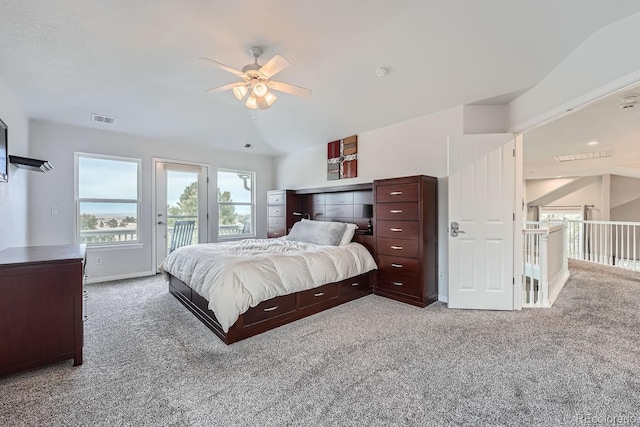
40	306
281	204
406	230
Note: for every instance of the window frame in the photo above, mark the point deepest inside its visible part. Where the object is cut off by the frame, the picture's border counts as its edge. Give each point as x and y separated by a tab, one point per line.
252	204
78	200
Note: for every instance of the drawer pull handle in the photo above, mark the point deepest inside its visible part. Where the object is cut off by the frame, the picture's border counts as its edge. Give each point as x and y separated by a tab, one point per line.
275	307
397	283
396	211
397	265
319	294
396	193
396	230
276	222
396	248
355	284
275	233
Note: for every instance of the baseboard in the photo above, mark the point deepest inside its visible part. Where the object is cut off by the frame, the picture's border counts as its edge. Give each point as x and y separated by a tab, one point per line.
120	277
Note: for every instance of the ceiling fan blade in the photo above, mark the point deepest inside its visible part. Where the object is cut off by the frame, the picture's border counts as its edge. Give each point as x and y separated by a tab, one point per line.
225	67
226	87
287	88
274	66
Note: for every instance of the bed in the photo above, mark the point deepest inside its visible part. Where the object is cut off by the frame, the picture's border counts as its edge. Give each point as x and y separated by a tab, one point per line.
242	288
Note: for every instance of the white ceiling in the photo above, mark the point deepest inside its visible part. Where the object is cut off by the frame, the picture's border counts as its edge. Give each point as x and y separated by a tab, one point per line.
137	61
602	121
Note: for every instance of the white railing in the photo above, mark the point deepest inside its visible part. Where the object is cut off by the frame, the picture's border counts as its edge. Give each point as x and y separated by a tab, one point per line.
545	269
613	243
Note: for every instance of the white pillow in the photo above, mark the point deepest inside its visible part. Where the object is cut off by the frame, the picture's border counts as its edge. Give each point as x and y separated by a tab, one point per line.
348	234
318	232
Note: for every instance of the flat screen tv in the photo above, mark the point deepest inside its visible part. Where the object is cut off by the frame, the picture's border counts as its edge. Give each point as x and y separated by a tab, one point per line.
4	154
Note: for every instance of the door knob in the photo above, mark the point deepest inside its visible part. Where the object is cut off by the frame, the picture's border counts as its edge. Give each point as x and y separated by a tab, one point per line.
455	229
160	223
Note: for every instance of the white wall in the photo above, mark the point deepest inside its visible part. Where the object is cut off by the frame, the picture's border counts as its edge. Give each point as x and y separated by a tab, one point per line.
414	147
485	119
605	62
57	144
13	194
589	194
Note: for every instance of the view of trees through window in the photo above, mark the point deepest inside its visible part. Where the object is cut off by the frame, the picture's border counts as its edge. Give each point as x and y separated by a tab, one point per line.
235	203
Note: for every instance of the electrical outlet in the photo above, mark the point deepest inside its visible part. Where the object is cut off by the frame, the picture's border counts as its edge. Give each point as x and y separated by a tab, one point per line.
98	260
54	210
441	274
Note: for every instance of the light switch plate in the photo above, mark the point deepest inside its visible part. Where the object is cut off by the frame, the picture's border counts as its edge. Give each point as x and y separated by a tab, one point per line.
54	210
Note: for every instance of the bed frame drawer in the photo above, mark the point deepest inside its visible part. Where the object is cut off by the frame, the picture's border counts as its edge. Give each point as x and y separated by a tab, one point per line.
318	295
269	309
356	285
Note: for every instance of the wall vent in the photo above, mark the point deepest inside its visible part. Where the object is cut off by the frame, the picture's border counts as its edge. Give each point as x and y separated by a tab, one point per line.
584	156
99	118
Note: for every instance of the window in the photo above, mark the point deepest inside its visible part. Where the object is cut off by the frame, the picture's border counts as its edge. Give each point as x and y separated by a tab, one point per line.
107	197
236	203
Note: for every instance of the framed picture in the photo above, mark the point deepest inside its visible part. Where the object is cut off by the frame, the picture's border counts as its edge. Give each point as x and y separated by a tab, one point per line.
4	153
342	158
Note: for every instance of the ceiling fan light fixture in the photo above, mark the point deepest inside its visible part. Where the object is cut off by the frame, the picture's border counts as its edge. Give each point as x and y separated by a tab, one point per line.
240	92
270	98
251	102
260	89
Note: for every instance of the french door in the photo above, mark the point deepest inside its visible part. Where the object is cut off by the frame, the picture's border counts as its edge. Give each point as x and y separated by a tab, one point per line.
181	194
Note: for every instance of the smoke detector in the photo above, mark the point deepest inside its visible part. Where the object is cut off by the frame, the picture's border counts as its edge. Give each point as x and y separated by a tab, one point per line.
629	101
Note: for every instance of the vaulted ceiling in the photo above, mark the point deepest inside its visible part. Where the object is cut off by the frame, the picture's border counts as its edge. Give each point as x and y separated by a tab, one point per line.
138	61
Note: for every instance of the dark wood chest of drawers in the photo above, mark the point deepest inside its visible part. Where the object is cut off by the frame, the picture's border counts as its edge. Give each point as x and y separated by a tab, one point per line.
406	229
281	204
40	306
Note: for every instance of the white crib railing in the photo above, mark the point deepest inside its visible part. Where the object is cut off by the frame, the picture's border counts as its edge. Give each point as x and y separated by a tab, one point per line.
545	269
614	243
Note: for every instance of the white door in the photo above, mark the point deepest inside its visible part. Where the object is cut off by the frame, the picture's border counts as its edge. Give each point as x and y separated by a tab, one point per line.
481	207
181	194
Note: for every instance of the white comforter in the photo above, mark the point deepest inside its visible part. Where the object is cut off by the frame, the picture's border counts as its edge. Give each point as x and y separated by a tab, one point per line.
237	275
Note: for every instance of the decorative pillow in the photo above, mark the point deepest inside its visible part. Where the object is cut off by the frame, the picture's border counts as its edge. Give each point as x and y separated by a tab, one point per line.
318	232
348	233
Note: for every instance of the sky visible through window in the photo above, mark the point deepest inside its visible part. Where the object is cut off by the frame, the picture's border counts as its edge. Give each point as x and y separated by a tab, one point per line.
229	181
107	179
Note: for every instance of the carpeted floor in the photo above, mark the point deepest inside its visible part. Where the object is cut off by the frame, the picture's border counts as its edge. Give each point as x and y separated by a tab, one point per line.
373	361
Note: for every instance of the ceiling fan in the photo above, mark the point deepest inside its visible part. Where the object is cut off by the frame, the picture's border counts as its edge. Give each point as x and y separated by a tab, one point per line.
256	81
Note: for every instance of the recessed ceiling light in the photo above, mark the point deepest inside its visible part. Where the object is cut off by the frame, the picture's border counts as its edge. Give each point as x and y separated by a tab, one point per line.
593	142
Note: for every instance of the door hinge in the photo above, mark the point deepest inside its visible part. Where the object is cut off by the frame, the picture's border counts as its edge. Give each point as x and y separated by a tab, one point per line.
207	180
207	217
514	216
513	281
514	152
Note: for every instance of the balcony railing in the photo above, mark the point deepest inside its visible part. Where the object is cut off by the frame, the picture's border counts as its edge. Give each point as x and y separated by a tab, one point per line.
614	243
116	235
108	236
